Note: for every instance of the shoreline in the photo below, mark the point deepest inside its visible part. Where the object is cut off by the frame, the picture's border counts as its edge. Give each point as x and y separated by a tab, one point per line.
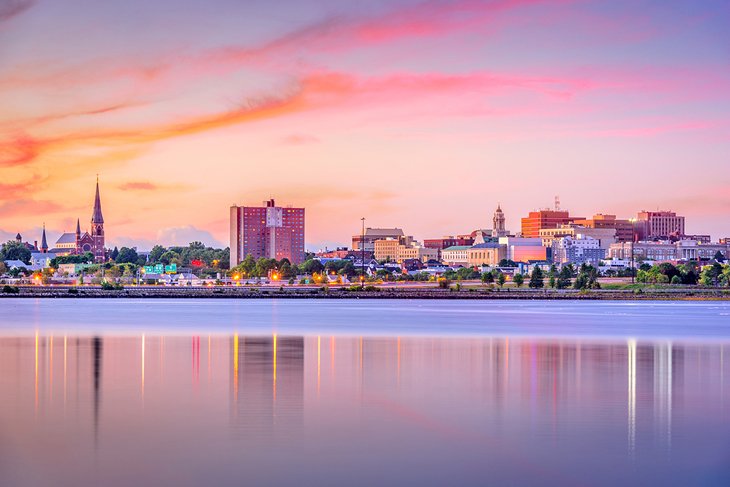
52	292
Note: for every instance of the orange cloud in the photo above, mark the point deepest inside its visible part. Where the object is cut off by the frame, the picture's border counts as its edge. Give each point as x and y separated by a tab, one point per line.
10	191
24	149
28	206
19	151
318	90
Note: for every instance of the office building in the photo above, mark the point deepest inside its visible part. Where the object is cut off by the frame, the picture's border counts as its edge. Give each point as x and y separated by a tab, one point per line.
653	225
537	220
267	231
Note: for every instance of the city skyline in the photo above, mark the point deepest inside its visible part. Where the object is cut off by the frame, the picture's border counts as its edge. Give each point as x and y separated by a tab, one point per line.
421	115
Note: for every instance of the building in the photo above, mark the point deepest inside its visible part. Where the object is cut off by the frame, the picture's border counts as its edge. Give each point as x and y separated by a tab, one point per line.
457	255
488	253
520	249
665	251
373	234
449	241
401	249
537	220
659	225
605	236
338	253
78	243
498	223
577	250
41	259
33	247
624	228
267	231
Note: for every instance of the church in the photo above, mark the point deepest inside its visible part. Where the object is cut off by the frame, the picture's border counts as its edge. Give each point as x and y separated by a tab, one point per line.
79	243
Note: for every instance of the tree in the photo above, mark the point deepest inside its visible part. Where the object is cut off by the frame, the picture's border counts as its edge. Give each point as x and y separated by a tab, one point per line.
465	273
564	276
487	277
3	268
581	282
311	266
156	253
115	254
127	255
719	257
501	279
710	274
537	278
170	257
507	263
588	279
676	280
14	250
518	279
667	269
552	282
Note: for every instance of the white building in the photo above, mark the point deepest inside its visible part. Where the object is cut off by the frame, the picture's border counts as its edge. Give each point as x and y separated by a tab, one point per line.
569	250
458	255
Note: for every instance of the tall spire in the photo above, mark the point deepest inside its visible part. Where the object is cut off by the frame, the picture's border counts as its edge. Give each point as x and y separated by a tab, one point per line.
97	217
44	242
78	227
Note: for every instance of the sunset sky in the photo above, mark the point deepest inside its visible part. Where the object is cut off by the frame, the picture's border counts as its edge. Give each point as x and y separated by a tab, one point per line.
415	114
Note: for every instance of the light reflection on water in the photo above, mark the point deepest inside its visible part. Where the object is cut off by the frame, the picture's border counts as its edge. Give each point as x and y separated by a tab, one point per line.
347	392
335	410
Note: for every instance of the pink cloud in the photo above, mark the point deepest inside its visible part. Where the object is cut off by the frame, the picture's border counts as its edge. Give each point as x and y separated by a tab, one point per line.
300	139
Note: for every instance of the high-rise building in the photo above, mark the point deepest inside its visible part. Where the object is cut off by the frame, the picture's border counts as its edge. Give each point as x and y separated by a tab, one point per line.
537	220
267	231
659	225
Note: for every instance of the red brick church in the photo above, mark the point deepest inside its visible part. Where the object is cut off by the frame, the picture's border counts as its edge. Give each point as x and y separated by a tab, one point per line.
79	243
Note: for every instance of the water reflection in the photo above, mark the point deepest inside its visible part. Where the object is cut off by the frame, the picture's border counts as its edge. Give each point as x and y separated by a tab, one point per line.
426	410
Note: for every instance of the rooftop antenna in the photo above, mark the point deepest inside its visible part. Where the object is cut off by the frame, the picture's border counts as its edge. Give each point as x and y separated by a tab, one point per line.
557	203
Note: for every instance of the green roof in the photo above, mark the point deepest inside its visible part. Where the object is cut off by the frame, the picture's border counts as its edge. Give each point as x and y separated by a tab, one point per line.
457	247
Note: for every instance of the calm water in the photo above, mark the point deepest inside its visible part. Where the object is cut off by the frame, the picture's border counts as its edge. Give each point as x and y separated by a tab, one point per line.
264	392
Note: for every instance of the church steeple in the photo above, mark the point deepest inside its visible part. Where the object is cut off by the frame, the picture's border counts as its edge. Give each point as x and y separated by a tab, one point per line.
44	242
97	229
97	217
78	228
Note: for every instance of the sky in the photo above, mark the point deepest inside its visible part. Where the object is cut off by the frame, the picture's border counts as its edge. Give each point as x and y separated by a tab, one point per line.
418	114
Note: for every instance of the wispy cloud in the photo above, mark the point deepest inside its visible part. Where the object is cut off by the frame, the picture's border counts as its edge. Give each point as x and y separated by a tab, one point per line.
300	139
13	8
28	206
148	186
